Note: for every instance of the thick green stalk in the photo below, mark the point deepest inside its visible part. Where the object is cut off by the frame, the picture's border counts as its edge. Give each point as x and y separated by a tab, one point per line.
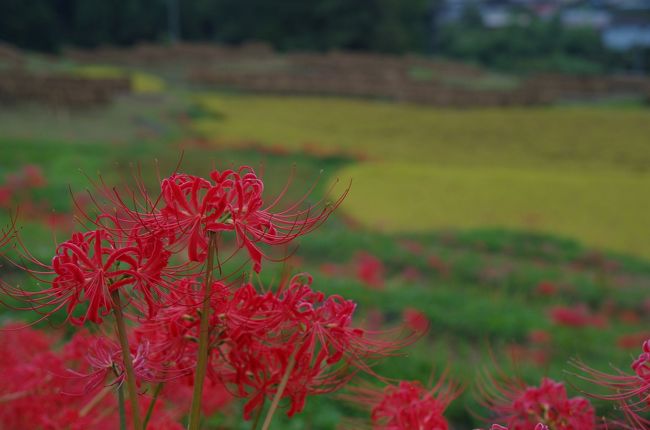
128	362
122	409
156	392
258	415
278	394
204	339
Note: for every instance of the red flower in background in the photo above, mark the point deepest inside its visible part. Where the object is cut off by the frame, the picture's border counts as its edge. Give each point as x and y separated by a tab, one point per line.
18	185
576	316
370	270
416	320
408	405
5	197
632	341
104	364
33	176
539	337
30	176
32	381
547	288
521	407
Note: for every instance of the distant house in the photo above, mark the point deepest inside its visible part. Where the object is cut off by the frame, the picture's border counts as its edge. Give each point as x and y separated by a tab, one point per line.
623	24
586	17
628	4
502	15
623	36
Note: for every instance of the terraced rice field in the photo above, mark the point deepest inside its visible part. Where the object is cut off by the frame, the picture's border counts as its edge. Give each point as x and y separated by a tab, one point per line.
581	172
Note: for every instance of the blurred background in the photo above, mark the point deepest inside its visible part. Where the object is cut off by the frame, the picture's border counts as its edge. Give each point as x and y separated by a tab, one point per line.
498	153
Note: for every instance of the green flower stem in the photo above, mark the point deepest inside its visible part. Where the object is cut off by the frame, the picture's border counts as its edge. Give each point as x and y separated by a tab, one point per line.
122	408
204	339
94	401
258	415
156	392
278	394
128	362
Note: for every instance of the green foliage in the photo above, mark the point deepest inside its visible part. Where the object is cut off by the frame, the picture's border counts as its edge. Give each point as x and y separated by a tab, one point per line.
32	24
380	25
392	26
536	47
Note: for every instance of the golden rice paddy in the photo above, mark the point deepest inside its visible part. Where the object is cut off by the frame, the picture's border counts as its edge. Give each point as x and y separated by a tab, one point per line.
581	172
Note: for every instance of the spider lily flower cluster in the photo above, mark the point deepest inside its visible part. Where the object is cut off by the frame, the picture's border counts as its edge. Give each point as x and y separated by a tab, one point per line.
152	263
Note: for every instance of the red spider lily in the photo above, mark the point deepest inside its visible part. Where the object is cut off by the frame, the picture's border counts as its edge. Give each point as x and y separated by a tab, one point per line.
33	176
257	371
325	325
295	330
632	391
407	405
18	185
521	407
105	365
577	316
546	288
190	207
5	197
265	332
89	267
629	316
539	337
173	331
416	320
370	270
632	341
